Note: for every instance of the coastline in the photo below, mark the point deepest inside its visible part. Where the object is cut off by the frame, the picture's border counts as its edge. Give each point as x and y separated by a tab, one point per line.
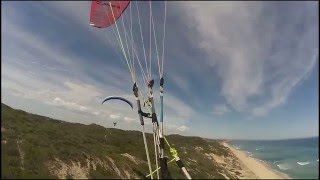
260	169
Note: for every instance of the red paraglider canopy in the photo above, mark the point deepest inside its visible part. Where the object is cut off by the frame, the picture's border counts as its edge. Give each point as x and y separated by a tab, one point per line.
105	13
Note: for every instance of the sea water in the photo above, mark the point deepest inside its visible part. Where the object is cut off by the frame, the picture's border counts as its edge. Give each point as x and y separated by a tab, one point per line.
298	158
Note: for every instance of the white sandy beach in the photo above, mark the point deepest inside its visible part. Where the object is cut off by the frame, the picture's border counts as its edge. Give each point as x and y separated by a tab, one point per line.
260	169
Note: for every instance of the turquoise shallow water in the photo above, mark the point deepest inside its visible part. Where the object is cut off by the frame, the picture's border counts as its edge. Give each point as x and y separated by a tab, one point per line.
298	158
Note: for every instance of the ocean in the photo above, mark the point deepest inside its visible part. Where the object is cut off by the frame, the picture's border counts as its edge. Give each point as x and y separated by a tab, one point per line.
298	158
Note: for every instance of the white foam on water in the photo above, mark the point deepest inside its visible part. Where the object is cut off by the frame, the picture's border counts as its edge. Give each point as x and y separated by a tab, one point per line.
284	166
276	162
236	147
303	163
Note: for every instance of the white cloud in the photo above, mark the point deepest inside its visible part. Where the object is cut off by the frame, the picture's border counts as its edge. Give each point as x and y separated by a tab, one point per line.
220	109
258	55
177	107
281	91
96	113
173	128
71	9
36	43
45	80
31	47
69	105
129	120
183	128
114	116
181	82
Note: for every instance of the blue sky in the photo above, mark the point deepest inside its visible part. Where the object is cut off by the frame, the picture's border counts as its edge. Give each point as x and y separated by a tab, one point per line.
243	70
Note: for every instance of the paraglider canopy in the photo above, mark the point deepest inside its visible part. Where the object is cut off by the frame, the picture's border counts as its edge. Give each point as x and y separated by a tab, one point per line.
105	13
117	98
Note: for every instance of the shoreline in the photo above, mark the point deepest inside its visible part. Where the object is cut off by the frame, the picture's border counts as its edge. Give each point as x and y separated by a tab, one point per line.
259	168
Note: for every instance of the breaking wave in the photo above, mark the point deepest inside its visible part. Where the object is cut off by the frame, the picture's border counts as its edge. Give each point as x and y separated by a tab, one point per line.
283	166
303	163
276	162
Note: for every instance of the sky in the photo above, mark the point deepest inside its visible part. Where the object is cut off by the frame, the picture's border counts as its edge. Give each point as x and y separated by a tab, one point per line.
233	70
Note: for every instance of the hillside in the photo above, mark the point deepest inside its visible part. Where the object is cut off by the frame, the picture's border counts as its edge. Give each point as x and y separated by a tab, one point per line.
34	146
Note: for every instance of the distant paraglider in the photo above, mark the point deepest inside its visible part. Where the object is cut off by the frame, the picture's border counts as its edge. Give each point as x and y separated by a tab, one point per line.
117	98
